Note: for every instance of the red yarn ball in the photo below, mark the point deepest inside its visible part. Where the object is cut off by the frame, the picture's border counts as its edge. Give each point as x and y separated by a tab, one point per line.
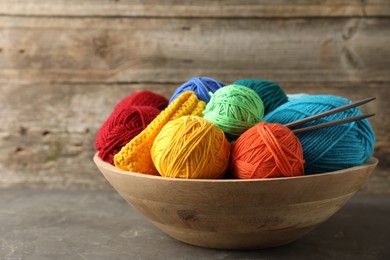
143	98
267	151
120	128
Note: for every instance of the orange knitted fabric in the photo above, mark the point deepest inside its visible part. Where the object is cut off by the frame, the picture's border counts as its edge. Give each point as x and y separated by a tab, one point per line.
135	156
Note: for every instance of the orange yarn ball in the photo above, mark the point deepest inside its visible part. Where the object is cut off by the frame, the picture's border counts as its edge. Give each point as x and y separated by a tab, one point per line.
267	151
191	147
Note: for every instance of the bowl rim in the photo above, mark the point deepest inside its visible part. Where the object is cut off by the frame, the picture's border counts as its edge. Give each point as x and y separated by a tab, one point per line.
373	161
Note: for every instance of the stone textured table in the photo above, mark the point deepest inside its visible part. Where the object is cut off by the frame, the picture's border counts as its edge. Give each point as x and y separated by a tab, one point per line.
83	225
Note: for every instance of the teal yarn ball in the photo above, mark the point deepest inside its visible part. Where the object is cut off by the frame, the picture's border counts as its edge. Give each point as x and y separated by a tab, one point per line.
270	93
333	148
201	86
234	109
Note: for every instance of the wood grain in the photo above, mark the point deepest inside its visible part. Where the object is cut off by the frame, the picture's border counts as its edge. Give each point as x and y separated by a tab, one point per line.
197	8
138	50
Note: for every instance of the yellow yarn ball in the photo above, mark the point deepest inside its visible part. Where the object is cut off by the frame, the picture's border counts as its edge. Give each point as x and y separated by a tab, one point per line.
191	147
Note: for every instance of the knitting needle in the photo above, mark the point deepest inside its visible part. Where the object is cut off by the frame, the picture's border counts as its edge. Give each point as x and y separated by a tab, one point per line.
331	123
330	112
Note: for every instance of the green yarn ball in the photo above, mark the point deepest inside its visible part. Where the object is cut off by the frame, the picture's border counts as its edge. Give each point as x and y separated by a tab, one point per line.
270	93
234	109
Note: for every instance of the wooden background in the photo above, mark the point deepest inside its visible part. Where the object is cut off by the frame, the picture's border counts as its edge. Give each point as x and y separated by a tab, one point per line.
64	65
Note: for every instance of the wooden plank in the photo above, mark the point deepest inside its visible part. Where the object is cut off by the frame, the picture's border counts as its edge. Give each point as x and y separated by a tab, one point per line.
47	131
197	8
376	7
91	50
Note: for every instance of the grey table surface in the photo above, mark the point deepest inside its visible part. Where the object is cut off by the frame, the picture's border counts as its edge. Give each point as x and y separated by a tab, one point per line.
83	225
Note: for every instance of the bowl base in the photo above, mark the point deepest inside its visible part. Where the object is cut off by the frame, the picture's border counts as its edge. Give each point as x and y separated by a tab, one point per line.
244	241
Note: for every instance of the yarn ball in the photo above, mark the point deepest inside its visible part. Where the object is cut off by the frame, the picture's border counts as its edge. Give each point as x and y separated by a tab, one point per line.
191	147
333	148
270	93
201	86
143	98
121	127
267	151
234	109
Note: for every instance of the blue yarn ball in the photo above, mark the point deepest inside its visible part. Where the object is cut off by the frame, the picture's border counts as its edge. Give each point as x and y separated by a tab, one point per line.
270	93
201	86
332	148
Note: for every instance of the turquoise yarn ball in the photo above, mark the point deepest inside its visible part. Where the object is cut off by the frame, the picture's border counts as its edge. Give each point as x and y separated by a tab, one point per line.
234	109
332	148
270	93
201	86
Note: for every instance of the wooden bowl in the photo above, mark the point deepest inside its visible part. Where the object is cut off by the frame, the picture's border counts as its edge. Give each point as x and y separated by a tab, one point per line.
237	214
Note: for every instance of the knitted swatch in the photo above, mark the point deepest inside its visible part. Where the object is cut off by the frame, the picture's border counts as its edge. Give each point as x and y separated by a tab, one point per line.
135	156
